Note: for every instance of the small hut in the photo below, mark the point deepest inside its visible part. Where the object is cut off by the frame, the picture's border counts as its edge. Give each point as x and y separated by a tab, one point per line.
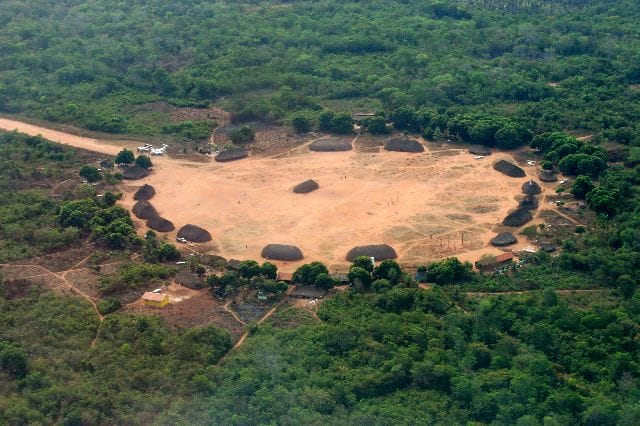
531	188
144	210
157	300
194	234
547	176
517	218
509	169
144	193
283	252
331	145
232	154
160	224
135	172
479	150
529	202
503	239
377	251
306	187
189	280
404	145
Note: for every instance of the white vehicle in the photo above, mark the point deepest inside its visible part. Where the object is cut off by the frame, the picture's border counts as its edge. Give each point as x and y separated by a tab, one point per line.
159	151
479	157
181	240
145	148
531	162
562	181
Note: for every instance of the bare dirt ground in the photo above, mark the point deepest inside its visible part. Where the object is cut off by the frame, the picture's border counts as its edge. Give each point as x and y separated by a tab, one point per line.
439	203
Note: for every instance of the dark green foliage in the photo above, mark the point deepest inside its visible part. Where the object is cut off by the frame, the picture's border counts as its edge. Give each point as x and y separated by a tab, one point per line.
308	273
133	275
269	270
301	123
13	360
324	281
125	157
389	270
603	200
189	130
581	187
249	269
90	173
159	251
363	262
243	135
376	125
360	278
108	305
144	162
448	271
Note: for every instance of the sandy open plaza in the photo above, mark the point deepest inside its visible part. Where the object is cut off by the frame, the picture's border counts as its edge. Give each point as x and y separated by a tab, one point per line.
427	206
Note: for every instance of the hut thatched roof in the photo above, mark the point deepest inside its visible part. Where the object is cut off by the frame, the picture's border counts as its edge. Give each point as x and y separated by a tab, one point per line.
331	145
194	234
306	186
282	252
160	224
509	169
531	188
517	218
479	150
377	251
145	192
503	239
135	172
404	145
189	280
232	154
144	210
547	176
529	202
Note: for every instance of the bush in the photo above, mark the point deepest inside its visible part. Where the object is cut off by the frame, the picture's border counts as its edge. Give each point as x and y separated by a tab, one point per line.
307	274
243	135
144	162
108	305
90	173
125	157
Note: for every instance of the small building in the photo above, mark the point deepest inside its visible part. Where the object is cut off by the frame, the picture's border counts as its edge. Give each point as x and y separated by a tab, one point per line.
307	292
287	277
157	300
340	277
504	258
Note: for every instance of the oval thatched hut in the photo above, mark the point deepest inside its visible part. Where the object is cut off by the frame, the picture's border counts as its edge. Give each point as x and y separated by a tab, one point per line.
144	193
189	280
377	251
517	218
135	172
194	234
144	210
404	145
547	176
531	188
331	145
503	239
160	224
232	154
479	150
529	202
306	187
509	169
283	252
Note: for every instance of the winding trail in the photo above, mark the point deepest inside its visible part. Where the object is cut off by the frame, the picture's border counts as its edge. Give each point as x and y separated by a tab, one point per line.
242	338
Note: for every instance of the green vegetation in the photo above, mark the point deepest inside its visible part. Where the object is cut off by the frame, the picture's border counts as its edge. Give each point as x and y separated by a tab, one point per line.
384	351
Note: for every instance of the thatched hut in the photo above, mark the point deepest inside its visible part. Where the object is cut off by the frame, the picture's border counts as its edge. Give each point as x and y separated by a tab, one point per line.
377	251
529	202
144	193
135	172
283	252
479	150
509	169
232	154
531	188
517	218
547	175
194	234
404	145
189	280
144	210
160	224
503	239
306	187
331	145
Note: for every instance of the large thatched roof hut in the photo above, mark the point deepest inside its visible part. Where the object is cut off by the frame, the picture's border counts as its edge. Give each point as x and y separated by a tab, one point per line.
404	145
503	239
331	145
160	224
377	251
531	188
135	172
194	234
509	169
232	154
517	218
144	210
306	186
145	193
283	252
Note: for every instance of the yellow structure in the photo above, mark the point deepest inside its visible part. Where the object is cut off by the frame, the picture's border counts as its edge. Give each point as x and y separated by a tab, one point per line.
157	300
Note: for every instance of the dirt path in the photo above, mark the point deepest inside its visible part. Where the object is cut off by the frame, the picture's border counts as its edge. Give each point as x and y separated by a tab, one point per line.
266	316
232	313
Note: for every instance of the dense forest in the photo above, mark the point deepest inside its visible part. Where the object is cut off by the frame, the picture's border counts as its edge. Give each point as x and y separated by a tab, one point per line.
538	65
385	350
